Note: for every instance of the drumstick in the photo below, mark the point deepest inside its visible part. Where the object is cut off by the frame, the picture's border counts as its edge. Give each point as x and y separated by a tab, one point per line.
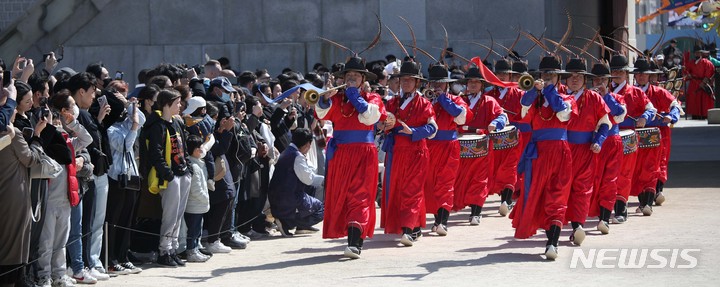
509	112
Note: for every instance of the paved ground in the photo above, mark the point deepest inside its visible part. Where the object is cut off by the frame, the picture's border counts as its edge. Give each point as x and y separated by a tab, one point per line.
488	253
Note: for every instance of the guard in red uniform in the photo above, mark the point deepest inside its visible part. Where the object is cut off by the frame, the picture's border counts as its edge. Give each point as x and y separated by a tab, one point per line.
352	160
586	134
444	149
406	158
546	161
505	160
668	112
699	72
639	112
609	159
648	159
471	185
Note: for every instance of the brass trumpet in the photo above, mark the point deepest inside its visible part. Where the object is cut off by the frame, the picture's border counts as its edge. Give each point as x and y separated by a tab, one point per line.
313	96
429	94
526	82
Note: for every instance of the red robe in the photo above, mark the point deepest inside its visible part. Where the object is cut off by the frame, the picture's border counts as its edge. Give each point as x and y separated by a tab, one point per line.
607	169
592	111
403	201
471	184
636	104
663	101
698	101
444	158
505	161
546	201
352	173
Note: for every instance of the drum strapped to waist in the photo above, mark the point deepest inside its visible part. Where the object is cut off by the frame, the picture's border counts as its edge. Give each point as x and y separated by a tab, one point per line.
505	138
629	141
648	137
473	146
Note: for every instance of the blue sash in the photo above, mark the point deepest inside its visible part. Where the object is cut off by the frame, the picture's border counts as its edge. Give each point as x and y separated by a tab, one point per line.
445	135
530	153
346	137
522	127
579	137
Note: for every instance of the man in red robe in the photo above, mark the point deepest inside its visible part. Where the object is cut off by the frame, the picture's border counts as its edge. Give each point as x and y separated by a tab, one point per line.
471	184
586	134
546	161
609	159
444	149
352	160
668	112
505	161
406	158
639	112
519	69
699	72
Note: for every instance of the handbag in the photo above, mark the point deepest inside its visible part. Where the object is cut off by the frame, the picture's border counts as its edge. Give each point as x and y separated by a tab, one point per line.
127	181
48	168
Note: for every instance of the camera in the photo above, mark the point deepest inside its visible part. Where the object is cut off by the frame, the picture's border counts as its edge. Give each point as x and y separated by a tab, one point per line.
119	75
381	91
7	76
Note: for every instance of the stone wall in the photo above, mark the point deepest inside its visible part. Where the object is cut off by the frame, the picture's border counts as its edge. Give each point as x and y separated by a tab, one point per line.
129	35
10	10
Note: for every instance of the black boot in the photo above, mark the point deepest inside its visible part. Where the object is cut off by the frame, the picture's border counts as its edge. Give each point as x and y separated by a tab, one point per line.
506	196
604	224
659	186
354	243
620	211
416	233
605	214
444	215
554	235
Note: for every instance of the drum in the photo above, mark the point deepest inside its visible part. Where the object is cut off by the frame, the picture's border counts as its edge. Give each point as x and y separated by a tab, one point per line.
677	85
648	137
669	85
505	138
473	146
629	140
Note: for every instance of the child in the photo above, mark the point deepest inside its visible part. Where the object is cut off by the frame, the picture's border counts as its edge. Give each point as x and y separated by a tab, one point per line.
198	201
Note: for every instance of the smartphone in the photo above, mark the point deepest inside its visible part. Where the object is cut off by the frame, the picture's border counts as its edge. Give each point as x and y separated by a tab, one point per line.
7	76
102	101
119	75
28	132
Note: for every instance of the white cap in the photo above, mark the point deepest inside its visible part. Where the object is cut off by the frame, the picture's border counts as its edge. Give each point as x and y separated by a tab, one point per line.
193	104
659	57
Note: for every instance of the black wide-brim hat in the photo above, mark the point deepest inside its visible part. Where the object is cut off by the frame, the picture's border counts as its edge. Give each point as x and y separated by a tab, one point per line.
601	71
519	67
619	63
642	66
699	48
551	65
439	74
410	69
576	66
502	66
473	74
356	64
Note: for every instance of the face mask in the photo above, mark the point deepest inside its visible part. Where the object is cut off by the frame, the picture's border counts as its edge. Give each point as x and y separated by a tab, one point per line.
457	88
676	61
226	97
76	112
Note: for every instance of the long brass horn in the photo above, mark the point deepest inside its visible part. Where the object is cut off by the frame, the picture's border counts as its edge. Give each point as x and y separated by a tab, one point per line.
526	82
313	96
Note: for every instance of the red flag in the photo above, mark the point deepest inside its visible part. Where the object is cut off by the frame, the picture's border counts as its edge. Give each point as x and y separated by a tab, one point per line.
490	76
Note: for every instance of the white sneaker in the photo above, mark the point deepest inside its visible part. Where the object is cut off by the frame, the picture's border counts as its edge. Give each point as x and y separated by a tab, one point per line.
440	229
130	267
551	252
352	252
118	269
578	236
64	281
475	220
603	227
217	247
84	277
44	282
406	240
98	275
504	209
240	237
659	198
647	210
195	256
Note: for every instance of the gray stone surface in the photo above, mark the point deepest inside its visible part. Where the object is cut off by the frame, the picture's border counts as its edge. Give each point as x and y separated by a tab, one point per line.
185	22
349	19
291	21
413	11
243	21
112	28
